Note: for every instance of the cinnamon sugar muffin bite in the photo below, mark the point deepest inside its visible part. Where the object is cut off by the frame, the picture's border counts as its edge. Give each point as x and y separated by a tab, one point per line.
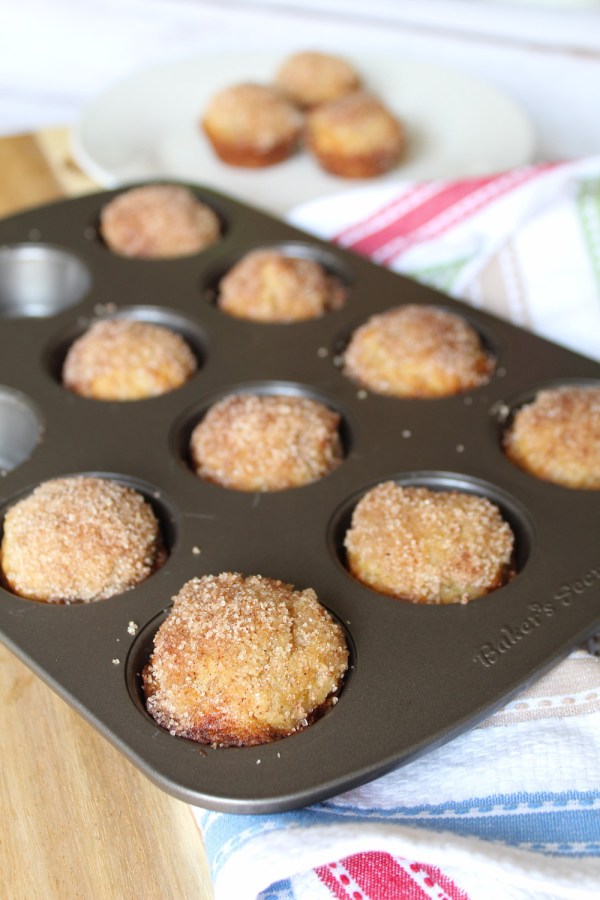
269	286
355	137
310	78
557	437
242	660
158	221
252	125
125	359
253	442
428	546
79	539
417	351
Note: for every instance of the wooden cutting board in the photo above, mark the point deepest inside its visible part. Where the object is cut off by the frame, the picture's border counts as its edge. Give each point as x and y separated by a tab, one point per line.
77	820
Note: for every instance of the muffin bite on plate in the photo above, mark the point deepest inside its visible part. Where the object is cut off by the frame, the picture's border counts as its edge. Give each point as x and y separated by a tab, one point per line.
270	286
79	538
428	546
207	679
252	125
272	442
556	437
310	78
158	221
417	351
125	359
355	136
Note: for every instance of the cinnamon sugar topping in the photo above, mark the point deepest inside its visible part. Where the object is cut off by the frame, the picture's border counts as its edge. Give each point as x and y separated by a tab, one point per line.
251	125
79	538
355	136
243	660
124	359
298	439
417	351
428	546
310	78
557	437
268	286
158	221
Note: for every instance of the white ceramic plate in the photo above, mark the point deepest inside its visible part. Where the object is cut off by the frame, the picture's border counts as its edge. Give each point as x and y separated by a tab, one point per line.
147	127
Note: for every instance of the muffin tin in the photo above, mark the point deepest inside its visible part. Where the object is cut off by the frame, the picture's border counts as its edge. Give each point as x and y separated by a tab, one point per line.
419	674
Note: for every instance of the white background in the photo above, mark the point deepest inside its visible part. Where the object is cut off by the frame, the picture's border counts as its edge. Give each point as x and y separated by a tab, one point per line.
545	54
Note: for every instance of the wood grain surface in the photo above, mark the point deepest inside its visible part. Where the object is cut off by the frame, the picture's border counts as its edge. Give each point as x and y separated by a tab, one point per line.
77	820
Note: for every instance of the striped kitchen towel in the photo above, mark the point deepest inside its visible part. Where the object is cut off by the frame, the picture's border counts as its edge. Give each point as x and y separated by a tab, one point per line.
510	810
524	245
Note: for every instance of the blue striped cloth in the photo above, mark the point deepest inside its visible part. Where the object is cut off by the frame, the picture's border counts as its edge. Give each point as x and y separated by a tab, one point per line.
517	798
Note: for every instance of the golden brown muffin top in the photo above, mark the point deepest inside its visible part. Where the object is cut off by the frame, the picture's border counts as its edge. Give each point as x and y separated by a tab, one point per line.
79	538
355	124
252	114
253	442
158	221
268	286
243	660
428	546
557	437
417	351
124	359
310	78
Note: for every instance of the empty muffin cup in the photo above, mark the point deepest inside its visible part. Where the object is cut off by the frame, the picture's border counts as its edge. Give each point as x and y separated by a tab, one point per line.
20	428
39	280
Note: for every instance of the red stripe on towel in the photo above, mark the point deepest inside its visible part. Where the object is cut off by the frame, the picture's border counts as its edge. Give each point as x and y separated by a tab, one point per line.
380	876
412	196
409	222
404	222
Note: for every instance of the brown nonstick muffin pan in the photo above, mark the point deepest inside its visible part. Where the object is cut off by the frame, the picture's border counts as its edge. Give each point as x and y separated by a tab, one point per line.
419	674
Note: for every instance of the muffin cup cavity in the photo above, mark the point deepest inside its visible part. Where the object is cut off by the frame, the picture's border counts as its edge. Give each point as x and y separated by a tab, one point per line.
138	658
517	517
20	428
40	280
